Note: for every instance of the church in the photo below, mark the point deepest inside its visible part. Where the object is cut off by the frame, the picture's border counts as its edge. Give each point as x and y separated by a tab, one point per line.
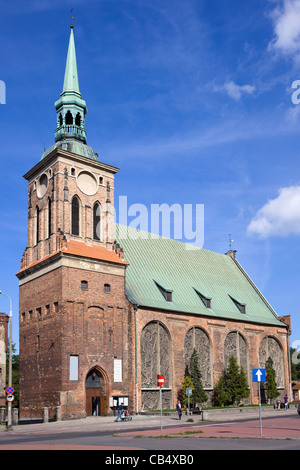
104	308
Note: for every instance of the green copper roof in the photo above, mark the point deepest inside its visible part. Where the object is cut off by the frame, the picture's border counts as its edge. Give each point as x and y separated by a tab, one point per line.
71	75
174	267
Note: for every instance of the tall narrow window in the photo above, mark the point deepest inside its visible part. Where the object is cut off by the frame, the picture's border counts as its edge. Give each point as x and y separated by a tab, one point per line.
69	118
75	216
97	222
49	218
78	119
37	225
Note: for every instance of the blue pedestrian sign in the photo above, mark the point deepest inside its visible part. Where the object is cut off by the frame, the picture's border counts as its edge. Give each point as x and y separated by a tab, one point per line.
258	375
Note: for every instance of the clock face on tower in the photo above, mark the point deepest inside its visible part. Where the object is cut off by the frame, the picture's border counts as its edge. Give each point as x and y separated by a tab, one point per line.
87	183
42	186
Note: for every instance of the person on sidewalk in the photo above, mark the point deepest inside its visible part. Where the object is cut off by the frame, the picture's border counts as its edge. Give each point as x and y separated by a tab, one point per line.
286	402
179	409
120	409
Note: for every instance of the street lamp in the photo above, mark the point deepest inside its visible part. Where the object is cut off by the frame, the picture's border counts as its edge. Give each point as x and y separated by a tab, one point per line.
9	410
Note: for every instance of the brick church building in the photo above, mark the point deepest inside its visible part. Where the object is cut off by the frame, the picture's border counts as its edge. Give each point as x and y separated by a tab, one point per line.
104	308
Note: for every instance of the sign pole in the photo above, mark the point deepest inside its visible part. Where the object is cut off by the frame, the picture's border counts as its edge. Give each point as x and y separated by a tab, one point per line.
259	375
161	425
160	382
259	398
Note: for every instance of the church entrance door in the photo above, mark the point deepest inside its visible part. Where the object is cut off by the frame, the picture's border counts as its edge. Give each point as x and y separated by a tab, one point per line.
95	388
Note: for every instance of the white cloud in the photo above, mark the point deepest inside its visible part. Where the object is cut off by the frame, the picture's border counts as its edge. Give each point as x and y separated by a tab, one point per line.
279	216
287	27
235	91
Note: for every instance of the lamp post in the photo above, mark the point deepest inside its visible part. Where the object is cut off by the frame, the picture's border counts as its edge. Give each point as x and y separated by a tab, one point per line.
9	410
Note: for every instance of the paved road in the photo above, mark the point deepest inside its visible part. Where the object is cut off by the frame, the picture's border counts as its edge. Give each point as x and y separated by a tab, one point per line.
230	431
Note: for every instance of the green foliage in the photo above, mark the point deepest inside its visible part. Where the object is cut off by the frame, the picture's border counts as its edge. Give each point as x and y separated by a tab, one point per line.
270	385
187	383
199	396
295	364
232	387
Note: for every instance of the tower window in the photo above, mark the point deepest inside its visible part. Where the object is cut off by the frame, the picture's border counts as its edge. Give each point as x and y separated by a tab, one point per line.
75	216
60	120
37	225
84	285
78	120
97	221
100	179
107	288
72	171
69	118
49	216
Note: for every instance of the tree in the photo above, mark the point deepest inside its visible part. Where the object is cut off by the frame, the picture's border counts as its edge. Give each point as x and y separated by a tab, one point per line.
199	396
221	395
187	383
233	386
295	364
270	384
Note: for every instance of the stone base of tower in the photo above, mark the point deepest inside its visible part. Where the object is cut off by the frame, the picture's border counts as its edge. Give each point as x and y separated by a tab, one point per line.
75	331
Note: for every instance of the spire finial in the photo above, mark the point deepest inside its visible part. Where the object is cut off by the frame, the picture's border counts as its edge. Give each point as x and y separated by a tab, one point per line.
72	19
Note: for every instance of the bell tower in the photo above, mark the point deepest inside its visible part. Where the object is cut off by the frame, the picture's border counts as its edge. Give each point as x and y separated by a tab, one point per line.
73	311
71	108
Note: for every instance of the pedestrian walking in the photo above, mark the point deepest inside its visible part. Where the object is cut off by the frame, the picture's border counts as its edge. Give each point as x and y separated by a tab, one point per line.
286	402
120	409
298	409
179	409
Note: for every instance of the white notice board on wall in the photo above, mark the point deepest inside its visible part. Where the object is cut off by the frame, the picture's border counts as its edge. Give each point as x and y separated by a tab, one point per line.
118	370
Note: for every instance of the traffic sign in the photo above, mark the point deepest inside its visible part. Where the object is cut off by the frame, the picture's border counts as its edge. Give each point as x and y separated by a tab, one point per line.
160	380
10	390
189	391
258	375
10	398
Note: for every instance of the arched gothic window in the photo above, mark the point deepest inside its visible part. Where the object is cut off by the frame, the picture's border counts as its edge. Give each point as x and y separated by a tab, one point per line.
69	118
49	217
97	221
198	339
75	216
155	359
78	120
37	225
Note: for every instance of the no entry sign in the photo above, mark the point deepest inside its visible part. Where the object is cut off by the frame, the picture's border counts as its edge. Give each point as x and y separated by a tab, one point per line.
160	380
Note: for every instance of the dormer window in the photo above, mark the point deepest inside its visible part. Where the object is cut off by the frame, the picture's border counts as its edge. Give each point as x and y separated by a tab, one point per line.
206	300
166	293
239	305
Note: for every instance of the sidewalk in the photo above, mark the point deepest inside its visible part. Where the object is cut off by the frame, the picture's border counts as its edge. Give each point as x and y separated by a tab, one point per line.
280	424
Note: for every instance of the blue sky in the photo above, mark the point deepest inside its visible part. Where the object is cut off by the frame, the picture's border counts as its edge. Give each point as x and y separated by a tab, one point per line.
191	99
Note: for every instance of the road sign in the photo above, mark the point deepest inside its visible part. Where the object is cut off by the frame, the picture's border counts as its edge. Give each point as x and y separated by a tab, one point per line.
258	375
189	391
10	398
10	390
160	380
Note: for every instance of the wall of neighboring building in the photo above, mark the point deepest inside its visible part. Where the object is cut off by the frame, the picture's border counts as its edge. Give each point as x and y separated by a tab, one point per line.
3	348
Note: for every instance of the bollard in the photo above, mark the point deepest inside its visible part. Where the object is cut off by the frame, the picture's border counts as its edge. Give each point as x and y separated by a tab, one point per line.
45	415
58	413
15	416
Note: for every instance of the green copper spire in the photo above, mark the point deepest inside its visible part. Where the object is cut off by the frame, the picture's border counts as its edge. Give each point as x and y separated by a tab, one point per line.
71	108
71	76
